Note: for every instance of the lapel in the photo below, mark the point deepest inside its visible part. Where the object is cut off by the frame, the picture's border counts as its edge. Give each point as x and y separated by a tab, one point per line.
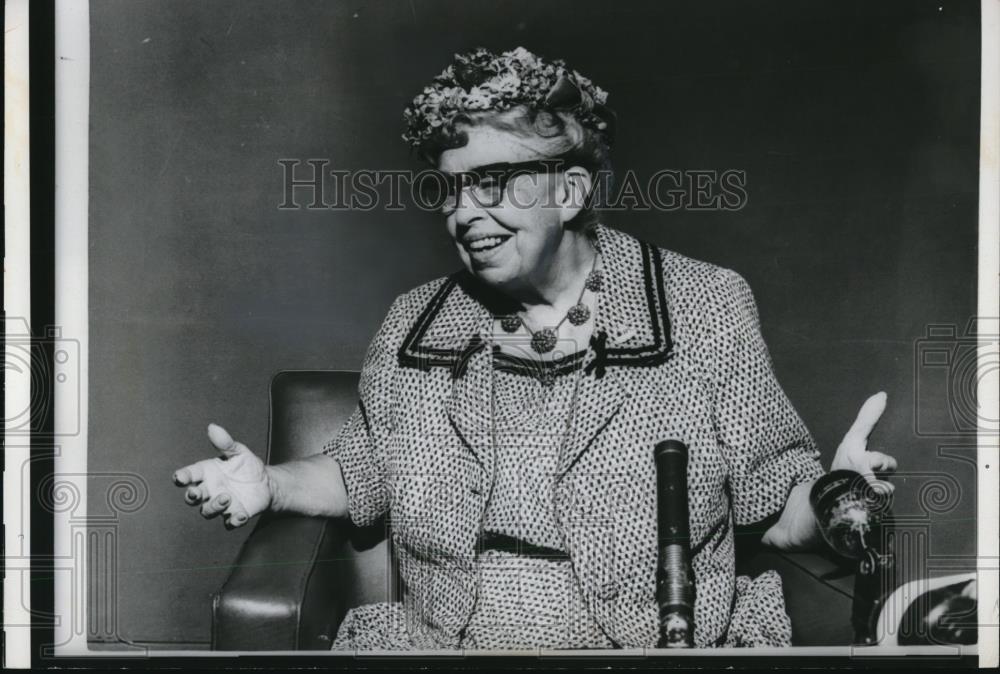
625	331
469	406
454	332
632	329
633	307
598	400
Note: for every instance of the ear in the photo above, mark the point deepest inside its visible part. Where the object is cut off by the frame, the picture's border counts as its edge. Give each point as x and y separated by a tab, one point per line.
573	190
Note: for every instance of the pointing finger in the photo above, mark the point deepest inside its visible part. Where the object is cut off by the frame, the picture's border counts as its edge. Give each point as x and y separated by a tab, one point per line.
223	441
868	416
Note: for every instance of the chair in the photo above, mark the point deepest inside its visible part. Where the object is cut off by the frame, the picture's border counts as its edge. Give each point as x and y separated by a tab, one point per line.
296	577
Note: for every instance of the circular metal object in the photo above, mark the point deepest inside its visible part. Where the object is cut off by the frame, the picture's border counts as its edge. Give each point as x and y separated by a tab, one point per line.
510	323
595	281
578	314
544	340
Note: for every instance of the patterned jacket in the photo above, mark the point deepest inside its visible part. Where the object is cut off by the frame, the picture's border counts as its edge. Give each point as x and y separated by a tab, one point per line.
677	353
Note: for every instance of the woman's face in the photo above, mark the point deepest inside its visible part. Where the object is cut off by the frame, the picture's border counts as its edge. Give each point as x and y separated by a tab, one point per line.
511	244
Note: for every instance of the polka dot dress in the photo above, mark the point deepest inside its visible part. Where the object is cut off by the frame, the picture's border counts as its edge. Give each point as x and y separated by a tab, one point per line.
527	601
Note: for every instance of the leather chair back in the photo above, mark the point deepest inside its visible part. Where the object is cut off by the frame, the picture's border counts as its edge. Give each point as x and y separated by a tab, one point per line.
308	409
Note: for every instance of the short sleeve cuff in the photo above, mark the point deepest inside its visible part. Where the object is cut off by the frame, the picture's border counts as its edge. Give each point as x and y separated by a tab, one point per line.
764	491
364	483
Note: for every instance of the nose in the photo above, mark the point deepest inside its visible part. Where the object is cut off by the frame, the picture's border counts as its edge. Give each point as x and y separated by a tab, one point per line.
467	211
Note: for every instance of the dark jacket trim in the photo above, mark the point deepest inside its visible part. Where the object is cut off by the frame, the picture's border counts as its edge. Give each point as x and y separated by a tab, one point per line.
506	362
656	300
413	354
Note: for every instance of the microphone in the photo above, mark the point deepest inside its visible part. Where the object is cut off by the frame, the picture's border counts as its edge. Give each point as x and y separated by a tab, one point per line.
675	590
856	522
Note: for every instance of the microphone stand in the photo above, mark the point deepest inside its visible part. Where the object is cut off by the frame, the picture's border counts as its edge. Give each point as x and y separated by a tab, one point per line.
675	589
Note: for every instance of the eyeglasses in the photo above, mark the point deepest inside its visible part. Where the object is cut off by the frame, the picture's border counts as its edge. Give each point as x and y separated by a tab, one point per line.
487	185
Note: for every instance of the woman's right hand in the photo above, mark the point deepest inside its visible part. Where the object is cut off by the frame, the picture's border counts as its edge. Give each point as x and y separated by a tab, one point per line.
236	485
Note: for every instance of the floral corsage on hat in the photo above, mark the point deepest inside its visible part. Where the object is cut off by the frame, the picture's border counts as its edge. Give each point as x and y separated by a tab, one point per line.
480	81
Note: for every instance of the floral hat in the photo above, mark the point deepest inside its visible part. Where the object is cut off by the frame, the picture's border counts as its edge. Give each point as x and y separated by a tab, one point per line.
479	81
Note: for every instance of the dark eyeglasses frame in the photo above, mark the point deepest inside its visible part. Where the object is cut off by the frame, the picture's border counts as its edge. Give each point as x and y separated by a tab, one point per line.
502	172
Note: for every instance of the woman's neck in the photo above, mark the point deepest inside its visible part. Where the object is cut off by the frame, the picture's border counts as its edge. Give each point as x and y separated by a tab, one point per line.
558	284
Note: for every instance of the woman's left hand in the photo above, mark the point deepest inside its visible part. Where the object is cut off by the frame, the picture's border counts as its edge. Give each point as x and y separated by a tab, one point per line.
797	528
853	453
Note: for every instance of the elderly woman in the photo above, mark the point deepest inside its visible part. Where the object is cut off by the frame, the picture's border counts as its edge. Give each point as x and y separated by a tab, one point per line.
508	412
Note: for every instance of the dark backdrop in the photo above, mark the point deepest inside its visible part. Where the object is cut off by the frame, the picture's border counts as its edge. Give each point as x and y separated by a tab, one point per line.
856	124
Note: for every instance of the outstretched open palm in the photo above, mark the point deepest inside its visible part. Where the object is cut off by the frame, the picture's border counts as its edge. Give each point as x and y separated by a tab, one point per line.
234	485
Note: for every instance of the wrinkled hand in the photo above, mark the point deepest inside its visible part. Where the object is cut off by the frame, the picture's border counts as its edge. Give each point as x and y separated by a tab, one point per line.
235	485
853	454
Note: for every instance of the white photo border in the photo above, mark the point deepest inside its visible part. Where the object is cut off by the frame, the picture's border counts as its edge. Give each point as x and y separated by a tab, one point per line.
71	310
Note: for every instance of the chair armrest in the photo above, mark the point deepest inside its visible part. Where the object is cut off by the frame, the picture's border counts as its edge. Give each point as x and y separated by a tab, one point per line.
283	591
818	594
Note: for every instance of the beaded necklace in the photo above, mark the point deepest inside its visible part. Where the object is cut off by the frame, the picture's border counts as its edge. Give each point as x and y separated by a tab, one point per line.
545	339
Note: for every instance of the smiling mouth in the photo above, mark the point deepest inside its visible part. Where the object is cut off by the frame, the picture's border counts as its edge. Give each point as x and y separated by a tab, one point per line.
485	244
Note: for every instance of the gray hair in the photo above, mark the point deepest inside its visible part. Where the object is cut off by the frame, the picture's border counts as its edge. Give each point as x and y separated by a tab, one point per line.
559	134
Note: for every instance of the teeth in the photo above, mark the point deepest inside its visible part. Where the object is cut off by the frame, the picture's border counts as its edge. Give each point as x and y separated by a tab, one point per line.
485	243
